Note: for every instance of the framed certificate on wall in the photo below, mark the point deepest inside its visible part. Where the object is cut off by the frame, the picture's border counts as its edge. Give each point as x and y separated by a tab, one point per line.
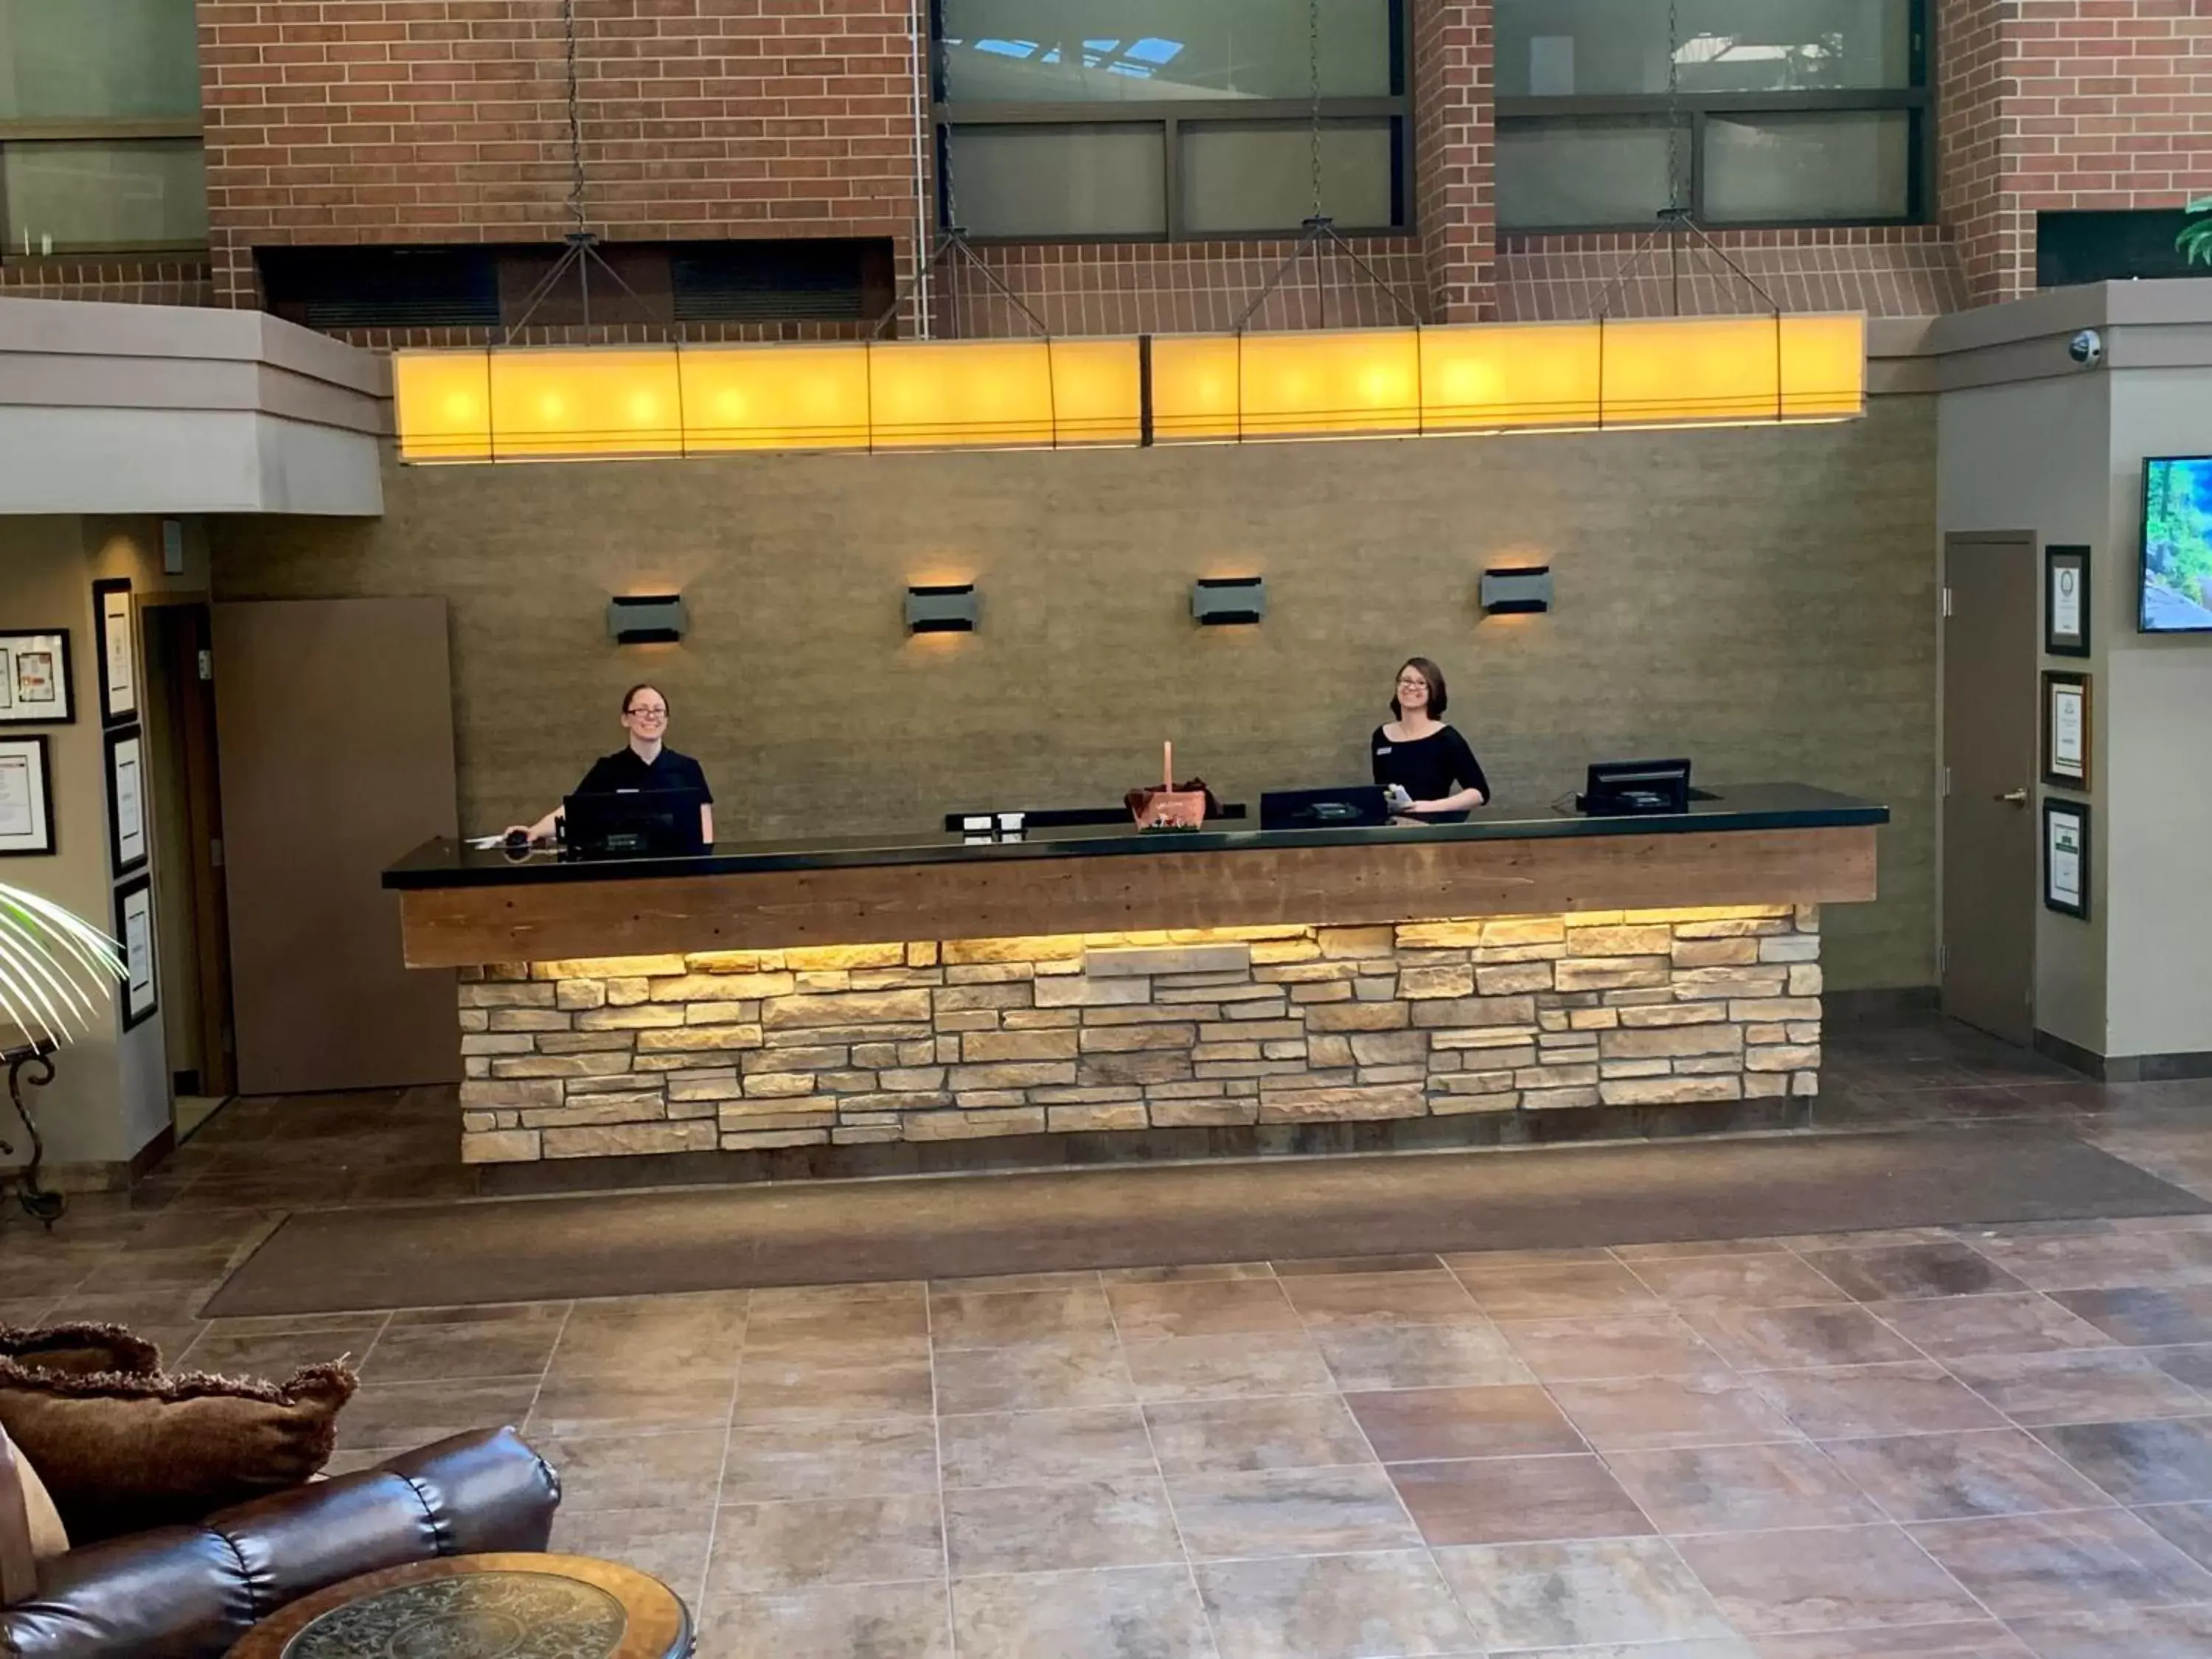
2066	601
35	685
126	800
118	638
2066	856
2065	729
134	931
27	798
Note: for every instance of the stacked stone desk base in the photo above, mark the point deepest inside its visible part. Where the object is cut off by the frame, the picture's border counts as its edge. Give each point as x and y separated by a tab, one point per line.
853	1044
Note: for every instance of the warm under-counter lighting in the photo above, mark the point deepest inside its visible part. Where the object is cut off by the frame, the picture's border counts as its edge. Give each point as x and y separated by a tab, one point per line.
616	402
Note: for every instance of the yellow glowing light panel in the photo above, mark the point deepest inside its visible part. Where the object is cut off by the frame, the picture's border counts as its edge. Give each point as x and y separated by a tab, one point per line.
666	400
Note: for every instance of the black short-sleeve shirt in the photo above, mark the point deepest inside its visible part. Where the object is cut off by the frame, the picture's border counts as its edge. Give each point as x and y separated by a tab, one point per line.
623	770
1428	767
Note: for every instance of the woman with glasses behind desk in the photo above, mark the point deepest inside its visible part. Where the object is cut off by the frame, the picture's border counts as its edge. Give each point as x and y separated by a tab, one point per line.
1426	768
644	764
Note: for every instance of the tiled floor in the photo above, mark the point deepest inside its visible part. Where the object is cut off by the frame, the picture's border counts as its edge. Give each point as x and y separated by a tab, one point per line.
1917	1445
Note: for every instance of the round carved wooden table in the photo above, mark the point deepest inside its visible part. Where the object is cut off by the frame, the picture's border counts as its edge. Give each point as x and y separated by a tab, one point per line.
481	1606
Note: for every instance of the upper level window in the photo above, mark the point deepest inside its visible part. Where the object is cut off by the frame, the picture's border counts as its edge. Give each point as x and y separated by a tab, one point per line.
1746	112
99	128
1143	119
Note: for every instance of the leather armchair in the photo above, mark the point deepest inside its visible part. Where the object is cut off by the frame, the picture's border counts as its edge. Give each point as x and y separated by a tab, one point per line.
191	1592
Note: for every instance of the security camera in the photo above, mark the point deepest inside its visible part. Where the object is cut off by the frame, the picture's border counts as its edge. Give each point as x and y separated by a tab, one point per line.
2087	347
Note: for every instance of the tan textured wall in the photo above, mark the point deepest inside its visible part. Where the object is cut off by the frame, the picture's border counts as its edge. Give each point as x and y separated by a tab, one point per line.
1760	600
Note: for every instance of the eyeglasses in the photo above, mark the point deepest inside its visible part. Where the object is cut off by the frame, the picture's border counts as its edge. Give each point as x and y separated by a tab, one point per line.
647	712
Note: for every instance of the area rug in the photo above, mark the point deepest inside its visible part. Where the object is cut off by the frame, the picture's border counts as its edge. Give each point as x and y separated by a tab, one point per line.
634	1243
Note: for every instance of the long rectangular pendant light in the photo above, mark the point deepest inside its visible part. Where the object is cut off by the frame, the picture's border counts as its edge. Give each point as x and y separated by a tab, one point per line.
631	402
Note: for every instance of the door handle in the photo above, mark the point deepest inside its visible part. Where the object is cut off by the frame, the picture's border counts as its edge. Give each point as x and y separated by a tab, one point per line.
2015	797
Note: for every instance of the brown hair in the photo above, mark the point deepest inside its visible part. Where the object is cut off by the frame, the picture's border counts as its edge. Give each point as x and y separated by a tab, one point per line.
630	695
1434	676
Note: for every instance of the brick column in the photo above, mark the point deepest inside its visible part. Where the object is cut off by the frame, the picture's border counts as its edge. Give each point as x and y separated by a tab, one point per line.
1976	186
1453	146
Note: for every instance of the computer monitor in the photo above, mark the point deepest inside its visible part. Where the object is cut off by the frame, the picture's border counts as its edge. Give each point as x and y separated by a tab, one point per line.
1623	788
633	823
1324	809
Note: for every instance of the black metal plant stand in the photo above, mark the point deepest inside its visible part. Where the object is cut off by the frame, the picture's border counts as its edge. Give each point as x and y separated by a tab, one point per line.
40	1204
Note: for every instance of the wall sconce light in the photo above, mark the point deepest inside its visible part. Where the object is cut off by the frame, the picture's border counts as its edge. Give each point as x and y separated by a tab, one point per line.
1516	590
646	619
1220	601
941	609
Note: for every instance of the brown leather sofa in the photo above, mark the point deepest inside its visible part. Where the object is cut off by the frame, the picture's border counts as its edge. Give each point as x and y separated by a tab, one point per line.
191	1592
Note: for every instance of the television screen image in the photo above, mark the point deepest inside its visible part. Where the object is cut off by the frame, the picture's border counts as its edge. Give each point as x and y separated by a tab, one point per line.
2177	546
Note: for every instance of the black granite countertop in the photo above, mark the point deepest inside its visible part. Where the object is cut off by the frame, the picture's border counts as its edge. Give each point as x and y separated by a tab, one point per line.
445	863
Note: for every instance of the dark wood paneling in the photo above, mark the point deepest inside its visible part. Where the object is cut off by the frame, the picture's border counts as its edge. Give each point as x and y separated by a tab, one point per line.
458	927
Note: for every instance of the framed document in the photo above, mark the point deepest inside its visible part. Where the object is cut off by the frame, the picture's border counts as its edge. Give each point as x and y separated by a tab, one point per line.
2066	601
36	687
27	798
127	799
134	932
2065	729
2066	856
119	651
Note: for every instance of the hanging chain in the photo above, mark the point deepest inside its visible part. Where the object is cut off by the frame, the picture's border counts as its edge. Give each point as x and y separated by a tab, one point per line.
575	117
1313	82
1674	190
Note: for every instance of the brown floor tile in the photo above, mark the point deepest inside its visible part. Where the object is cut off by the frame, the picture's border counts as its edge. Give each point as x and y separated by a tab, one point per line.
1318	1267
1223	1437
669	1544
2164	1461
1585	1350
1199	1307
1651	1413
781	1387
1185	1273
1121	1522
401	1416
1515	1289
1117	1612
1948	1477
2102	1260
1409	1424
2145	1318
1741	1488
627	1334
1952	1327
1788	1338
1862	1400
1581	1594
1824	1579
1511	1500
649	1404
788	1303
1028	1449
1231	1367
1002	1319
1291	1512
431	1344
681	1471
1420	1357
2191	1362
837	1621
772	1323
2090	1386
1684	1249
2187	1526
766	1461
839	1540
1978	1639
1076	1371
277	1354
1914	1272
1074	1279
1353	1302
1738	1281
1333	1606
2022	1565
2122	1633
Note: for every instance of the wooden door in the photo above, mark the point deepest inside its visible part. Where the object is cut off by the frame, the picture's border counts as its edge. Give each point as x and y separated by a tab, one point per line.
335	733
1989	875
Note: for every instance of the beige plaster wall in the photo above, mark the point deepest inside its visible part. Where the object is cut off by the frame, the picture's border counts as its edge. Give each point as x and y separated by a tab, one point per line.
1760	600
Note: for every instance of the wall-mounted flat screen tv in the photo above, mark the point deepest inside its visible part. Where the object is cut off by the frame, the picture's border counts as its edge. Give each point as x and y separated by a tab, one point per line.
2177	546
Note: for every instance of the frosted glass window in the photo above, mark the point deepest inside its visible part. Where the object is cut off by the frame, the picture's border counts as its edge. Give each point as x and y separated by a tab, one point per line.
1612	47
1253	176
67	60
1574	174
1090	180
1851	165
100	198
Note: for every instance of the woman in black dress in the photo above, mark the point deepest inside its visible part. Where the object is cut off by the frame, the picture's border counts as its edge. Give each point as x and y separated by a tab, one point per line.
1424	765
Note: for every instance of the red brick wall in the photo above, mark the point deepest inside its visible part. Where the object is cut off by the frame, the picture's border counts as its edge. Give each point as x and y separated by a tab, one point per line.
446	120
171	282
1908	270
1453	155
1971	192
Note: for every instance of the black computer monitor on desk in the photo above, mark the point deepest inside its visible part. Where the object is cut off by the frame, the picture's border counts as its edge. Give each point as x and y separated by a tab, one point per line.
632	824
1624	789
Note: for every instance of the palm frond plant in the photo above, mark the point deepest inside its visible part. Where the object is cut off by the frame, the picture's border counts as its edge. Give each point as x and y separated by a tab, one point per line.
54	967
2195	241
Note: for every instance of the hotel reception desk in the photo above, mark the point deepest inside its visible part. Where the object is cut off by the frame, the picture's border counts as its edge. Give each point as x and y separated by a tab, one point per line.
872	1006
